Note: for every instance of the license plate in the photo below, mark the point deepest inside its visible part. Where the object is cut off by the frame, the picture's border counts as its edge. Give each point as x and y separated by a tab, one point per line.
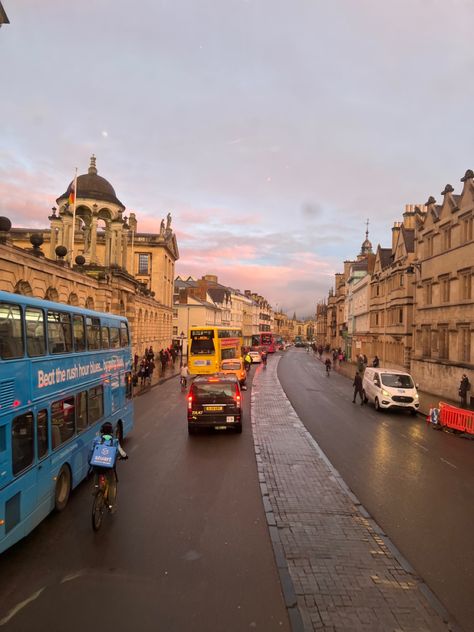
213	408
220	427
229	419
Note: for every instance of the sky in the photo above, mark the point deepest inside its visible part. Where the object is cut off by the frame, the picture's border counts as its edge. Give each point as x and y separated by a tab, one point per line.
271	130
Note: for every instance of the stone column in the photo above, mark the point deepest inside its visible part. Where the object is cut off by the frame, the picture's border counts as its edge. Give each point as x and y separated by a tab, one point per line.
92	255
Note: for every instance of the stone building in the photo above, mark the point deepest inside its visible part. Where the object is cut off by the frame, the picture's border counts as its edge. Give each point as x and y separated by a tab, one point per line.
444	308
92	256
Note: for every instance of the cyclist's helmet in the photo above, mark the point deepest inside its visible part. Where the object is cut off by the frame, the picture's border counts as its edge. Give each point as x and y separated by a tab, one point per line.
107	428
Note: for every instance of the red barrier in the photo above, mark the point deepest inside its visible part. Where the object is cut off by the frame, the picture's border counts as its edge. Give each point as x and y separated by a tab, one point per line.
456	418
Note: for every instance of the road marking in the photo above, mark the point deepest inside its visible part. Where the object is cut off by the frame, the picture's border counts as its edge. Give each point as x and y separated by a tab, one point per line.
146	434
133	448
421	446
21	605
69	578
448	463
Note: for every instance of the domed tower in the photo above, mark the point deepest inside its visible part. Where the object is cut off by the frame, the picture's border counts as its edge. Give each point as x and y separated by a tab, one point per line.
366	248
90	221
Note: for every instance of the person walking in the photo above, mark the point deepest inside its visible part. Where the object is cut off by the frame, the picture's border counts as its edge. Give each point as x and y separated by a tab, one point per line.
358	388
464	388
376	362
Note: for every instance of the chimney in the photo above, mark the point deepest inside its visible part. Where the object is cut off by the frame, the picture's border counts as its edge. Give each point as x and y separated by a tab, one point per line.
395	231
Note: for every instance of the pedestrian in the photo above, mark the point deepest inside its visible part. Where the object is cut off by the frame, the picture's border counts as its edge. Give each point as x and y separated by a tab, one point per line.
135	362
358	388
375	362
360	363
464	388
366	361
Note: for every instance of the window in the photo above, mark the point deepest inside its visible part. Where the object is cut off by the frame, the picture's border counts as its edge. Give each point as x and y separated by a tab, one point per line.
105	338
429	293
62	421
11	332
175	331
59	332
426	341
429	241
95	404
124	335
443	341
400	316
114	338
144	263
42	433
81	411
445	286
23	447
447	238
465	344
79	333
35	332
93	333
465	285
466	229
401	280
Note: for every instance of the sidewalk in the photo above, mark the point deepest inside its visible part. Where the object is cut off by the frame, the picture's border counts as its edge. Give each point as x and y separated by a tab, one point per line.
339	572
171	370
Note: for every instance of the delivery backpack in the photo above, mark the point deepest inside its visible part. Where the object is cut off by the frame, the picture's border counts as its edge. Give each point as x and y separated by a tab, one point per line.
103	455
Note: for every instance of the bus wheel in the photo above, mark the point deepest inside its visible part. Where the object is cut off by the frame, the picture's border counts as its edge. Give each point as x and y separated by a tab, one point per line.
119	432
63	488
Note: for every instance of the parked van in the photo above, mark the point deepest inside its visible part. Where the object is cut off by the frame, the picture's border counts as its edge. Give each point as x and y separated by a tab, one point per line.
388	388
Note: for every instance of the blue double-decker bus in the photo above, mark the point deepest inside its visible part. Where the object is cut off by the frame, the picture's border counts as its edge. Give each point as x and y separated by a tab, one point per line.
63	371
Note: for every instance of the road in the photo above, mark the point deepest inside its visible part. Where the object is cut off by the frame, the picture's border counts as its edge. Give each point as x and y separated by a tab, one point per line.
417	483
187	550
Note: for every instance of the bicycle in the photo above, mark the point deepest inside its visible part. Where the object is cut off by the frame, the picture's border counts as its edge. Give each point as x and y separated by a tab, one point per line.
184	383
105	494
328	370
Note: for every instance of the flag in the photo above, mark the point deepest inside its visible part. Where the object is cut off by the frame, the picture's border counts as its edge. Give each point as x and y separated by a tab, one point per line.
72	195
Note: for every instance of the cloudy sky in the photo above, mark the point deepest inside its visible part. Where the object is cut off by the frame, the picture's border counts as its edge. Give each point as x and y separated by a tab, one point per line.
270	129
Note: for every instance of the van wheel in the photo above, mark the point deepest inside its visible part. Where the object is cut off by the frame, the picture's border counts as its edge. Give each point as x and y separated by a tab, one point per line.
238	428
63	488
377	405
413	412
364	397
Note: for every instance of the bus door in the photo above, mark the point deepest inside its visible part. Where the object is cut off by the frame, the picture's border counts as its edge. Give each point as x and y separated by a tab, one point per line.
44	479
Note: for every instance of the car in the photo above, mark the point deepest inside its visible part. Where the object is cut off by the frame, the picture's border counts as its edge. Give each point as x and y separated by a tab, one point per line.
235	366
390	389
256	357
215	402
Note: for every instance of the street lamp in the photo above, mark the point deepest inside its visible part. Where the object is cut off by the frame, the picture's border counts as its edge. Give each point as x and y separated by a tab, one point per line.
181	338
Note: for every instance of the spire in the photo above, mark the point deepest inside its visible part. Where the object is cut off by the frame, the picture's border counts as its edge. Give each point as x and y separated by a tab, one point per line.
366	245
92	167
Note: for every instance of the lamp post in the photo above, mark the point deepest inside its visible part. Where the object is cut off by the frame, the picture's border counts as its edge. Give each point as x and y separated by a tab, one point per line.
181	338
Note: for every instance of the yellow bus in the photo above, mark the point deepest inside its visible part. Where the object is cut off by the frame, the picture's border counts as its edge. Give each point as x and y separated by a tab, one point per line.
208	346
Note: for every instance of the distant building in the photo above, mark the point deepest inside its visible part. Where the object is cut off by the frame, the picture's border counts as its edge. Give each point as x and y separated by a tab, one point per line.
3	16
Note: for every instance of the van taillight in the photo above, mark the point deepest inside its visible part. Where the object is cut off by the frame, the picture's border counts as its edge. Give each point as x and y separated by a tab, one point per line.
190	402
237	400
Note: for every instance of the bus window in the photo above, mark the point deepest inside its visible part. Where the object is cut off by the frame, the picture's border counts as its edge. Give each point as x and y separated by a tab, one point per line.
35	330
62	421
96	404
114	338
59	332
124	336
79	333
11	334
202	342
81	411
105	338
23	448
93	333
42	433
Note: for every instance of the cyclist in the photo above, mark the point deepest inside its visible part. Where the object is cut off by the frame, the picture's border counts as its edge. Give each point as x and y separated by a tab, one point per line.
327	364
264	357
184	375
247	361
107	438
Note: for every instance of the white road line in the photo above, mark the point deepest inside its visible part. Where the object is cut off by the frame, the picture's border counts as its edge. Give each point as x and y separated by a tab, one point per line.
133	448
69	578
421	446
146	434
21	605
448	463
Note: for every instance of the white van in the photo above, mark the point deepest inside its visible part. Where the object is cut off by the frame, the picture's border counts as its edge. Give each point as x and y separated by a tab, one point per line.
388	388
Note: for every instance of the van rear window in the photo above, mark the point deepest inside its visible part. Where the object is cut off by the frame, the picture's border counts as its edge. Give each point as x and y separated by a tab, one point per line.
231	366
209	392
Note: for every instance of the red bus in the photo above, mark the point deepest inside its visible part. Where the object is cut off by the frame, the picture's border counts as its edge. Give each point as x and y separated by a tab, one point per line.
265	341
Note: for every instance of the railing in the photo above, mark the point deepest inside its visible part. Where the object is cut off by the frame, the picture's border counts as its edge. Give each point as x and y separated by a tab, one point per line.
456	418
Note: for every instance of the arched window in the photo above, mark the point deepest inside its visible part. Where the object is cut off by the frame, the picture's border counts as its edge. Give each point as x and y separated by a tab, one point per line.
73	299
51	294
89	302
24	288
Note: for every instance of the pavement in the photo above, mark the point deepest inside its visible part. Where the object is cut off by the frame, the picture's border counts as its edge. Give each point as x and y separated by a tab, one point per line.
339	571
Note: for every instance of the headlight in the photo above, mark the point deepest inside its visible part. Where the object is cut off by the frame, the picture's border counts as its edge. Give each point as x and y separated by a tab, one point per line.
386	393
416	397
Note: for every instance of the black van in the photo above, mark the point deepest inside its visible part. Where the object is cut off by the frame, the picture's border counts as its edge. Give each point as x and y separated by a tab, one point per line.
215	401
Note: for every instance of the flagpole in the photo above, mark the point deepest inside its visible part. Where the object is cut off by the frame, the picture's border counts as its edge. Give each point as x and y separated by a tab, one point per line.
74	219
